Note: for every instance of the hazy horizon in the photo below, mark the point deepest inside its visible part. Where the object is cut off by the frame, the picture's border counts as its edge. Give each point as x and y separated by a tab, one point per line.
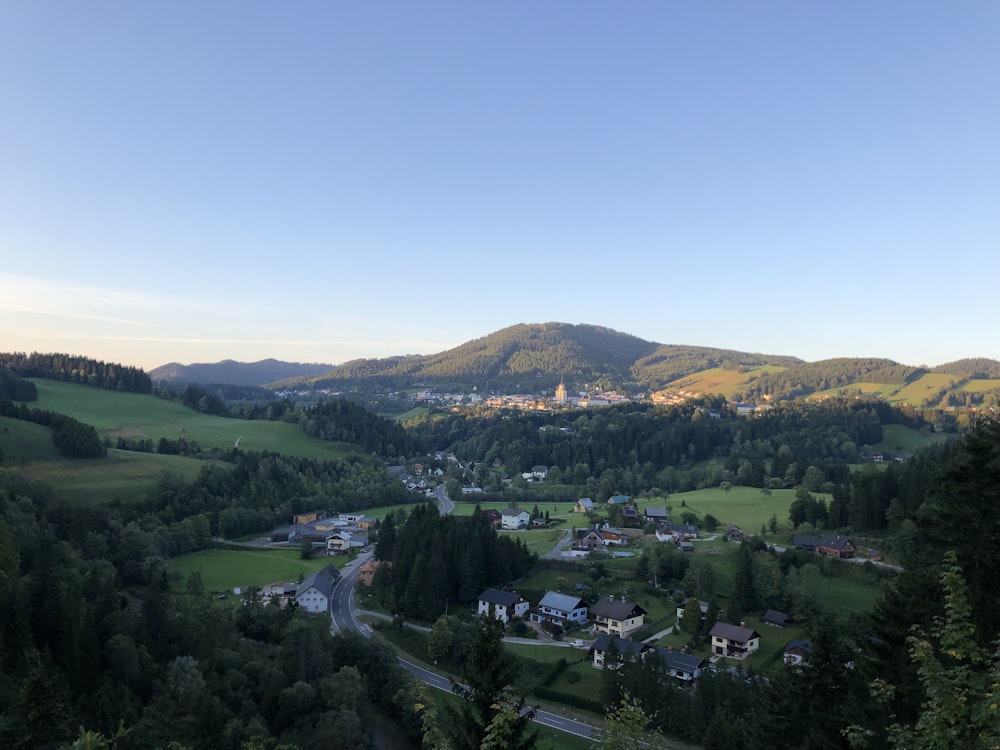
322	182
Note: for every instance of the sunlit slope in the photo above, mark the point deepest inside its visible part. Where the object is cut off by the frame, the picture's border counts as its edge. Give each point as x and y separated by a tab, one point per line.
138	416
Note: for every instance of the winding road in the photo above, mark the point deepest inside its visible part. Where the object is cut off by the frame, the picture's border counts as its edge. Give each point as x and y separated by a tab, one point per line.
342	618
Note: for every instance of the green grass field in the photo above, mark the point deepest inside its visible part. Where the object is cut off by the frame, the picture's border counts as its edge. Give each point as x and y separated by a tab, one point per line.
138	416
122	475
747	507
900	439
222	570
718	380
23	442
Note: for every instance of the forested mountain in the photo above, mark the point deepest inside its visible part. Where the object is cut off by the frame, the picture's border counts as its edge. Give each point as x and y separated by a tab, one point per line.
533	358
806	378
672	362
971	368
529	357
230	372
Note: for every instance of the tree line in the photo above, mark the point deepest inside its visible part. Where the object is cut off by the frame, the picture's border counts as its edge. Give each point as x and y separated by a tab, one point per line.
75	369
440	561
72	438
91	653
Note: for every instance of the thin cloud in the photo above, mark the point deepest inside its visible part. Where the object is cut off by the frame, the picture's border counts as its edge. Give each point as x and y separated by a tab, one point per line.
82	300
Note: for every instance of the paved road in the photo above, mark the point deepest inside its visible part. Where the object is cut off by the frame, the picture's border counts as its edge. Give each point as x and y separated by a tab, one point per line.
342	602
445	503
561	546
342	618
546	718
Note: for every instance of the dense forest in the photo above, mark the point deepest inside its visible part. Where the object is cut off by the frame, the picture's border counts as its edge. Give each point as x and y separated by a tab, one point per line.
74	369
94	635
919	671
435	560
636	449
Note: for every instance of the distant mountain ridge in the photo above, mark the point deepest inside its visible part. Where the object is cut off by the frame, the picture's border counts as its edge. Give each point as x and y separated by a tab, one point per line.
533	358
538	355
231	372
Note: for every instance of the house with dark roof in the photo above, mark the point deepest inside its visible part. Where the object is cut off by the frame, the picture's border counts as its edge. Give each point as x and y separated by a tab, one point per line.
621	500
588	539
316	590
506	604
796	652
625	647
684	667
617	617
734	641
735	534
776	618
560	609
828	545
655	515
493	516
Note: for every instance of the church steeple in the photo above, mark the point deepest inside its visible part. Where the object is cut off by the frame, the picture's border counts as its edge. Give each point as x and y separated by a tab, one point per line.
561	392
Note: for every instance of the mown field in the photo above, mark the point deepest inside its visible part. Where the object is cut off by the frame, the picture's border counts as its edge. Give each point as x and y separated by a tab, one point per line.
222	570
720	381
121	475
138	416
747	507
898	439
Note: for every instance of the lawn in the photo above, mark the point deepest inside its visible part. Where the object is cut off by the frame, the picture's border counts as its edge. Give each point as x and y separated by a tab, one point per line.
222	570
22	442
122	475
140	416
897	439
747	507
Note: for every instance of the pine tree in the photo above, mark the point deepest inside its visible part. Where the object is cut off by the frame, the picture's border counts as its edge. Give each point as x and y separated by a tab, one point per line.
488	675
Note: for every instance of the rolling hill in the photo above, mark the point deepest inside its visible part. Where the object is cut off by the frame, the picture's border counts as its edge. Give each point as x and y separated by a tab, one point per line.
530	357
230	372
533	358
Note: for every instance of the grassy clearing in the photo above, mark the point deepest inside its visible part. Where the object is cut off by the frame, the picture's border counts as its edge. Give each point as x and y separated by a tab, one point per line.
222	570
138	416
23	442
747	507
121	475
718	380
900	439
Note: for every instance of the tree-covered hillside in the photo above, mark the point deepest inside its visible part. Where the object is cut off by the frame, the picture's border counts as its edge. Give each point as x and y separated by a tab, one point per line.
230	372
971	368
530	357
671	362
806	378
75	369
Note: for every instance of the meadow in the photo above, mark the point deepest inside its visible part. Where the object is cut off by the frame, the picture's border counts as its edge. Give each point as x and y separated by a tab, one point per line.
720	381
125	476
223	570
140	417
747	507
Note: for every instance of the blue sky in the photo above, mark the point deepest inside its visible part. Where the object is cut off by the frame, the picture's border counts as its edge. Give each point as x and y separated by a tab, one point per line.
318	182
